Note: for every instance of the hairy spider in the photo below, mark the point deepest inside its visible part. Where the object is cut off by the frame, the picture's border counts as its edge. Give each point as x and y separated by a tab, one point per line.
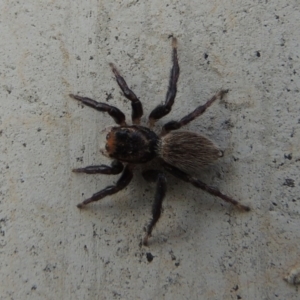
180	152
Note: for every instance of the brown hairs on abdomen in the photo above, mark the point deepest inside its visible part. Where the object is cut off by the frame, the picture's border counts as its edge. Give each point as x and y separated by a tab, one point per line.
187	151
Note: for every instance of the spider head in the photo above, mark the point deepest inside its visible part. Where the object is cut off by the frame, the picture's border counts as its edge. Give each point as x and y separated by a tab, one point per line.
135	144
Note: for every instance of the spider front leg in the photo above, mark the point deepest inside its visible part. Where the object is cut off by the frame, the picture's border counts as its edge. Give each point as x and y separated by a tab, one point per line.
203	186
123	181
137	108
163	109
161	188
115	168
173	125
114	112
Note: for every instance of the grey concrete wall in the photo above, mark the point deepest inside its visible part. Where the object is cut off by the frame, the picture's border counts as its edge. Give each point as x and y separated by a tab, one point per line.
202	248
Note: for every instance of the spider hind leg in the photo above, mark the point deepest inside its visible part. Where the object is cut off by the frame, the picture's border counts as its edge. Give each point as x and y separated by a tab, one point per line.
174	125
203	186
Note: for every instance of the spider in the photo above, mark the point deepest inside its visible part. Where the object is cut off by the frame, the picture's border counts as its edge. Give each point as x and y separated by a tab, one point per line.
180	152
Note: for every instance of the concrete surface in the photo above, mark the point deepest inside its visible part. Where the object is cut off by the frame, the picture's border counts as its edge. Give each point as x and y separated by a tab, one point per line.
201	248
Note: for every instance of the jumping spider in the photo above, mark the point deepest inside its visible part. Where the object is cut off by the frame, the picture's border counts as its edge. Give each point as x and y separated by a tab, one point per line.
180	152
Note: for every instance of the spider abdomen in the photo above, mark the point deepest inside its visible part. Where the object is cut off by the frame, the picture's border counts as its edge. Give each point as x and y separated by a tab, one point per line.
188	151
133	144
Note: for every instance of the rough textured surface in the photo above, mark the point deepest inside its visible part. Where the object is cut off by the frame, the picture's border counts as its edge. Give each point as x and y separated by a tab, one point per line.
202	248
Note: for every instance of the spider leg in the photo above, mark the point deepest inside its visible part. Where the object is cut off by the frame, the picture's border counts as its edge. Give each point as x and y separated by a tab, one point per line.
203	186
114	112
161	188
115	168
163	109
173	125
123	181
137	108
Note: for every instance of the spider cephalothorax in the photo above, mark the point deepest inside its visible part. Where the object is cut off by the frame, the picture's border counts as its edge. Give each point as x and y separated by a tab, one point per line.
132	144
180	152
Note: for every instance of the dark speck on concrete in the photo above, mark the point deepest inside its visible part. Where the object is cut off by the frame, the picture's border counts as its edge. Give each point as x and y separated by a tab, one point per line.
288	156
289	182
149	256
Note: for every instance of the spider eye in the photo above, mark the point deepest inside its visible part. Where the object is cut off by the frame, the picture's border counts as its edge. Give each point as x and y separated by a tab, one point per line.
108	136
106	147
